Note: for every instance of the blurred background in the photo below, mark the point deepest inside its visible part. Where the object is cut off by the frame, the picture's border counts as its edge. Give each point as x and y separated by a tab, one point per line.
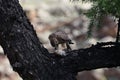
48	16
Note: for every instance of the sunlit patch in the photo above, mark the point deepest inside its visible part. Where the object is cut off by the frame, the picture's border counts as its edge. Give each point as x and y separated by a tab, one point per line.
108	46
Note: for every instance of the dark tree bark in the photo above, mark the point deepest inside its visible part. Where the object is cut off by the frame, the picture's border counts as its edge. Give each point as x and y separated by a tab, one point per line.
33	62
118	31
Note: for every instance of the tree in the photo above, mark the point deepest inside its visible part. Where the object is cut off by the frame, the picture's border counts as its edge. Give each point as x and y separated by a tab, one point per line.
33	62
104	7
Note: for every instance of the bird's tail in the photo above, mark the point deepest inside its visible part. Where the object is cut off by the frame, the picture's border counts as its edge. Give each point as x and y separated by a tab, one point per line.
70	42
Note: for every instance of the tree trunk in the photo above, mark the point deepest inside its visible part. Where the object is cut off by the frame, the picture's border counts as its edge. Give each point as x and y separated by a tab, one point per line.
33	62
21	45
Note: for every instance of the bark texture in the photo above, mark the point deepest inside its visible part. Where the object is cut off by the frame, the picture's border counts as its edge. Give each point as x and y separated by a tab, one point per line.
33	62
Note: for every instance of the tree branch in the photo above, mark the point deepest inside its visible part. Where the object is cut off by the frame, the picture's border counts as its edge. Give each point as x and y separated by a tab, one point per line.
118	31
98	56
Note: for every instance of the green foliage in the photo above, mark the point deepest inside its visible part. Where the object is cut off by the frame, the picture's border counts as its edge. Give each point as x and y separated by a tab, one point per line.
101	8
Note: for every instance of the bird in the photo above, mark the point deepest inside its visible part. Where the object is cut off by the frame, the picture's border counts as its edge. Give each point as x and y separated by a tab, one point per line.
60	37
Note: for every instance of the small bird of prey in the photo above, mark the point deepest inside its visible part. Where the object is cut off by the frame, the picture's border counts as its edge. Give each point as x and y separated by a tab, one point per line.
60	37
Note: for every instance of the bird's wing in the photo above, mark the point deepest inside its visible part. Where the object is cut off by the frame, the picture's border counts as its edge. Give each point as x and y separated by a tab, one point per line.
62	35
